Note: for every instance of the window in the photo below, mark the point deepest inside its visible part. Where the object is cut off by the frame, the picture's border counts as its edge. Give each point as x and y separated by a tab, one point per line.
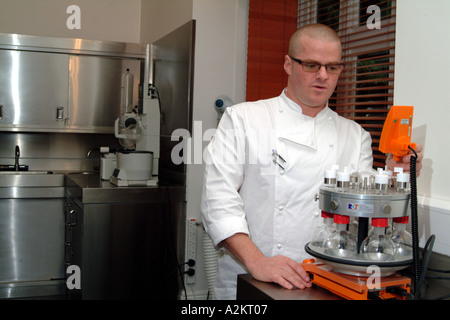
365	89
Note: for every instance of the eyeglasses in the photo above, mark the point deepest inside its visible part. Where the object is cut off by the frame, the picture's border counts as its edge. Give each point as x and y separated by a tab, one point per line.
333	68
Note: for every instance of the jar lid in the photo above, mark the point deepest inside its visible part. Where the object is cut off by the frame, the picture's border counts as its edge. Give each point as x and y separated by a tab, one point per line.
340	219
326	214
380	222
404	219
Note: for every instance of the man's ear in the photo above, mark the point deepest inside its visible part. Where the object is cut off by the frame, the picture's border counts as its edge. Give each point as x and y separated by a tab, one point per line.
287	65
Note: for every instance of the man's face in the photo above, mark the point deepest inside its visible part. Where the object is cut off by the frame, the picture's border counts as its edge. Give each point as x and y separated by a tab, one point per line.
308	89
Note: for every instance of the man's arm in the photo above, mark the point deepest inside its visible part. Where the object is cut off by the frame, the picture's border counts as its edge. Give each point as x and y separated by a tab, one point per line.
279	269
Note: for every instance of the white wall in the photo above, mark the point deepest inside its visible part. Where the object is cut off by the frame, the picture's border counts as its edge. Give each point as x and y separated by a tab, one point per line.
422	66
220	69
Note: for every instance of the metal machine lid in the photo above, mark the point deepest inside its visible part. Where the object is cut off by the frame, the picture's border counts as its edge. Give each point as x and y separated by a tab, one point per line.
365	194
358	265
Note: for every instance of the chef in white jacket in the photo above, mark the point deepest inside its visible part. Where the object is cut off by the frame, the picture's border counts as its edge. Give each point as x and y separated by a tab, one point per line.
265	165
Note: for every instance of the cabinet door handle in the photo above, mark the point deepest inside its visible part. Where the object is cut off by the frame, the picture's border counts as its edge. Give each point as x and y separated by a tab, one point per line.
72	218
59	113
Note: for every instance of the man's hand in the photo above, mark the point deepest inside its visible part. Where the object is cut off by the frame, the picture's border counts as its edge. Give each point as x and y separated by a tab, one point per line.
405	161
282	270
279	269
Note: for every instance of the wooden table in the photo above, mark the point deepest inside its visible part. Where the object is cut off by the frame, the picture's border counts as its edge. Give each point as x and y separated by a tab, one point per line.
249	288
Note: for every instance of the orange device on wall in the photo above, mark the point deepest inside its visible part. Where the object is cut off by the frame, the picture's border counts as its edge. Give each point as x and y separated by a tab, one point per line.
396	134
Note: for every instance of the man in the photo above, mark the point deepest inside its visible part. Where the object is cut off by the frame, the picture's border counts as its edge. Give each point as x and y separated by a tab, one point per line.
265	164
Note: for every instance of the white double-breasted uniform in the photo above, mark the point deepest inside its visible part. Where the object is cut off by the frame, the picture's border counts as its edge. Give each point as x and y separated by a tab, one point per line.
249	189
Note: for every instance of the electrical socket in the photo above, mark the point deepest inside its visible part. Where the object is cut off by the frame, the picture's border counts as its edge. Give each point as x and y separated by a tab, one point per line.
191	247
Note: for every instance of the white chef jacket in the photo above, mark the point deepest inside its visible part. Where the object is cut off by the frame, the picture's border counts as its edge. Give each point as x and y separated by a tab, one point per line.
245	191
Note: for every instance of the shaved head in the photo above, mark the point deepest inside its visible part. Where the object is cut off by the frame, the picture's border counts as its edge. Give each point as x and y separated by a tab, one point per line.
315	31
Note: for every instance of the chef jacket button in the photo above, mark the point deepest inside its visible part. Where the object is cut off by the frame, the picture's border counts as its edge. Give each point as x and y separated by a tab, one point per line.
280	110
280	208
279	246
281	172
331	145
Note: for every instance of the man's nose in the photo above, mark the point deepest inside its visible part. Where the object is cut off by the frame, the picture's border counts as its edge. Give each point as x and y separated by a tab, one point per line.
322	73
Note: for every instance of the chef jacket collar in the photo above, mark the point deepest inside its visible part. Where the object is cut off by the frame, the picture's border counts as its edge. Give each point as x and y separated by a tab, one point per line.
304	134
297	108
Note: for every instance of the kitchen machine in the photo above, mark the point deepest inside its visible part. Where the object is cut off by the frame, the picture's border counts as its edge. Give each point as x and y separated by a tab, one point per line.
363	242
138	131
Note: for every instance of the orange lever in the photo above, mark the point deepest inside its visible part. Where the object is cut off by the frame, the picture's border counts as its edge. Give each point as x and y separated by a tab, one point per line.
396	134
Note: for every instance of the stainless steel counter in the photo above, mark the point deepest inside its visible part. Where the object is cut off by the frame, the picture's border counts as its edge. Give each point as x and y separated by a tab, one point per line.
127	241
89	188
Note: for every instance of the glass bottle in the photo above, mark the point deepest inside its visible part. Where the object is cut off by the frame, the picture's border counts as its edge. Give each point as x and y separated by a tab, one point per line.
401	237
323	231
402	180
343	180
355	179
330	176
378	246
340	242
381	182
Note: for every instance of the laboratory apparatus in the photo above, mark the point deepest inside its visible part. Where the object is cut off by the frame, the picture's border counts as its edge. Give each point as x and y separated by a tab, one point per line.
138	131
376	202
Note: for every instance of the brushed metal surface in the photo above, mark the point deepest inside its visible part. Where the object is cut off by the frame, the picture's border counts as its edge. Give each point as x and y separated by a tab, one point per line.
30	179
31	233
174	77
70	45
95	91
125	245
32	86
31	240
64	85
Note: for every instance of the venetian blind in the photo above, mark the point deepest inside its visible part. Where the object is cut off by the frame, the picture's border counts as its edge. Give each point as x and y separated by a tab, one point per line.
367	30
271	24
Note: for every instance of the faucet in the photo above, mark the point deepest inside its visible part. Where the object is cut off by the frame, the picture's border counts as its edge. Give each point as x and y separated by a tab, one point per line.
16	161
88	155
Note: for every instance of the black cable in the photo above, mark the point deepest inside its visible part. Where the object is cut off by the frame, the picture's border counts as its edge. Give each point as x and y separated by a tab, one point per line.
427	251
415	224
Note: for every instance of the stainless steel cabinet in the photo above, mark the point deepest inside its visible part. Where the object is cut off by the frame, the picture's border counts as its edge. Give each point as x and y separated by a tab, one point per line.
33	87
64	85
31	235
127	242
95	92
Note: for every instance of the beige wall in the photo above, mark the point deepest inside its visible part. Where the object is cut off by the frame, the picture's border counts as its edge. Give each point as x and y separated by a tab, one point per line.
110	20
421	64
159	17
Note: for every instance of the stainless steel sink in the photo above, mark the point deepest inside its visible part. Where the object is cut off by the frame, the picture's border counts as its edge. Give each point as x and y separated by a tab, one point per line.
29	179
25	172
11	167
